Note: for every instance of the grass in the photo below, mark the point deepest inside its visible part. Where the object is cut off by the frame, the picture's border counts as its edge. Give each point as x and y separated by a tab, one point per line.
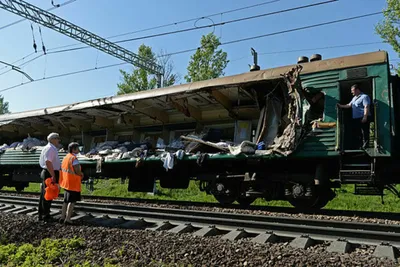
53	252
65	252
50	252
345	199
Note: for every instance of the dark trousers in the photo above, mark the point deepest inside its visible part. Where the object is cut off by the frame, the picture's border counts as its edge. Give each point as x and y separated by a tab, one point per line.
44	205
360	133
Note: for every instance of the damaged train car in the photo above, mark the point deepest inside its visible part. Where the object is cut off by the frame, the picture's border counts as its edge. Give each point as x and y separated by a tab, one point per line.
274	134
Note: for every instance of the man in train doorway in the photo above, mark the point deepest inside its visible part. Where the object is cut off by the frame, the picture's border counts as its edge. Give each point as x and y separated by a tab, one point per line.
50	164
360	105
317	106
70	181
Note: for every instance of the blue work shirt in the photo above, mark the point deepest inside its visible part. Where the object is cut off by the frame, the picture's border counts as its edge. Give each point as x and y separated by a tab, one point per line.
357	105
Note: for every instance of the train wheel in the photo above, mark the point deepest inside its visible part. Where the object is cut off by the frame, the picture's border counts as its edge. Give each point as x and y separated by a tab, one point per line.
225	199
318	201
245	201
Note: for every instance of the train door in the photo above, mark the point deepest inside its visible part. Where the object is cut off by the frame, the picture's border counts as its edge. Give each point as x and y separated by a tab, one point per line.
395	94
345	115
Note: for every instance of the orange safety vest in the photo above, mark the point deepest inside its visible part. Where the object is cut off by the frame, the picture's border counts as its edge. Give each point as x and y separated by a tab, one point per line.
69	180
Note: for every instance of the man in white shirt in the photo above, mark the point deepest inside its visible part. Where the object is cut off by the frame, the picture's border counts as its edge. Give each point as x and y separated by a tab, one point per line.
50	164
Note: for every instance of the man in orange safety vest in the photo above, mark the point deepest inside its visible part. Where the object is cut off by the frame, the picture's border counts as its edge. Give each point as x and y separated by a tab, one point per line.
70	180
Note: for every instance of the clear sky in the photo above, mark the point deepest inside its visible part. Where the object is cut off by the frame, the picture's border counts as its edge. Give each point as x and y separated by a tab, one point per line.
107	18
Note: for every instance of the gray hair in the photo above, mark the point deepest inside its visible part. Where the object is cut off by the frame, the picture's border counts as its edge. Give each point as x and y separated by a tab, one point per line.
52	136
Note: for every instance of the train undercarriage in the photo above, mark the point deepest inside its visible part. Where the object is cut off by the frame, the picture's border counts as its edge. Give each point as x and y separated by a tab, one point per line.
304	184
312	186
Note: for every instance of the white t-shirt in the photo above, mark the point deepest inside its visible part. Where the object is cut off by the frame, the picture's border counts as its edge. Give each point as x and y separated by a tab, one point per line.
76	161
50	153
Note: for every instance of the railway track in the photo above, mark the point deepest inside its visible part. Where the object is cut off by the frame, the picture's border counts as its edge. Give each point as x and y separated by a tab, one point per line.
299	233
180	203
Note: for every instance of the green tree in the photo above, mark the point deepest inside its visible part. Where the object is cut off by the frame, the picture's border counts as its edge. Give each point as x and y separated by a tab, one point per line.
141	79
3	106
389	29
207	62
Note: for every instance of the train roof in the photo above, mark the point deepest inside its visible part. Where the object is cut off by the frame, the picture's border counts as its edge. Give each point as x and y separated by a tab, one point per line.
189	102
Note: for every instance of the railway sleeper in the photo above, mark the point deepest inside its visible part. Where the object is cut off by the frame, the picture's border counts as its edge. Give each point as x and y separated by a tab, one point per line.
302	241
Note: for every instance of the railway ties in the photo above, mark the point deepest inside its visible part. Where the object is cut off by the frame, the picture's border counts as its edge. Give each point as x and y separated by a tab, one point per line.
343	237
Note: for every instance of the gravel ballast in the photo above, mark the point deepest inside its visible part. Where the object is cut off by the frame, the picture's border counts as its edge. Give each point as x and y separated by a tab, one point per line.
145	248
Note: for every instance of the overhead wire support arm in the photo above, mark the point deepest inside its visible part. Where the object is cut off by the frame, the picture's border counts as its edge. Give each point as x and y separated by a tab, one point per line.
15	68
49	20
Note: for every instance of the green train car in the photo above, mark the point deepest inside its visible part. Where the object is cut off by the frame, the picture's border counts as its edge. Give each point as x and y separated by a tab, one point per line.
310	147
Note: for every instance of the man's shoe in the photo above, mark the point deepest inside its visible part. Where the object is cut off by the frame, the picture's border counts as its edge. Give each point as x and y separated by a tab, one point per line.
47	218
40	218
61	220
68	223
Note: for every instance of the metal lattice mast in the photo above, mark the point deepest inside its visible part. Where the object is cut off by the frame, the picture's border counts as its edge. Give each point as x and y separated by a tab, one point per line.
49	20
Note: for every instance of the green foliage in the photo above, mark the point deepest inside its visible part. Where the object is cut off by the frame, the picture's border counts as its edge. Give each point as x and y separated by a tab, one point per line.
7	251
389	29
111	262
3	106
49	252
207	62
122	252
141	80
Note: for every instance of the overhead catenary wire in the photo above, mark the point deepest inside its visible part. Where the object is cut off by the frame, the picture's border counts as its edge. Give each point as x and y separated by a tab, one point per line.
217	24
64	74
308	49
179	22
16	68
50	9
23	64
227	22
195	27
236	59
281	32
227	43
142	30
249	38
51	51
21	20
197	18
123	63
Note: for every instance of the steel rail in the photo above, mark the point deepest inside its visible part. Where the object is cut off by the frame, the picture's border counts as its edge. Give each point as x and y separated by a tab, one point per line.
227	223
182	203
